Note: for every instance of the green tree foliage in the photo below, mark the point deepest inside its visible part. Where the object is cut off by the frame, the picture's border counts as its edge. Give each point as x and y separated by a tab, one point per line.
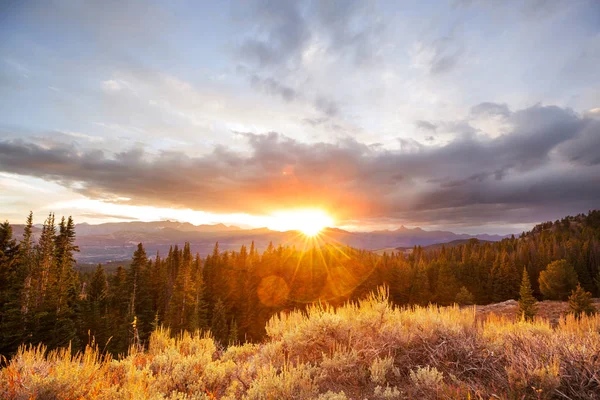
464	297
218	323
580	302
233	333
527	302
447	285
558	280
505	278
95	307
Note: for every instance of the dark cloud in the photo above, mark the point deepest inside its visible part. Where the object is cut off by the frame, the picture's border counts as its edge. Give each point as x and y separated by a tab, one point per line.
441	55
281	30
108	216
543	168
327	106
426	125
490	109
273	87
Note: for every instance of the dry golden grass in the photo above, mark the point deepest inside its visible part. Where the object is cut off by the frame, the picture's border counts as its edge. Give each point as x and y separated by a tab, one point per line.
368	350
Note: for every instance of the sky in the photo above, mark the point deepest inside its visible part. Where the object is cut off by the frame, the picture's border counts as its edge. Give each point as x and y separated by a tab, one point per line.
468	115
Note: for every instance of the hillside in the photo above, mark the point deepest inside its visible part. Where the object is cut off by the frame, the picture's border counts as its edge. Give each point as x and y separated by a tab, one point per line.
366	350
435	246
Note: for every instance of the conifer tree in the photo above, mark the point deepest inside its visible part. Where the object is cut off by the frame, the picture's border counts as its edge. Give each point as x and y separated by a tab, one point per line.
118	299
96	301
218	324
464	297
527	303
199	316
27	259
447	286
182	301
64	287
580	302
505	278
11	332
558	280
140	296
419	291
233	333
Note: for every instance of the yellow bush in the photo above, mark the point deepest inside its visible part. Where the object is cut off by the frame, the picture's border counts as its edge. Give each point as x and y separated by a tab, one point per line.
366	350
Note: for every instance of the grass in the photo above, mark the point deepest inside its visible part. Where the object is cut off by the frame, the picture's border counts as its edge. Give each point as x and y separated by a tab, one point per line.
368	349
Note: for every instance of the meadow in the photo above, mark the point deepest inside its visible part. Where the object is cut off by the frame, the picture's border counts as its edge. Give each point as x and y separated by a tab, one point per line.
368	349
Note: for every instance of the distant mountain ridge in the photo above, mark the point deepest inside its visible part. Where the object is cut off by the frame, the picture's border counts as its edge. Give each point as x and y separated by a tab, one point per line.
115	241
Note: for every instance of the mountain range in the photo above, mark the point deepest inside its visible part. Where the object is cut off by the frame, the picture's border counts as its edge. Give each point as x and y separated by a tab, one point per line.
114	242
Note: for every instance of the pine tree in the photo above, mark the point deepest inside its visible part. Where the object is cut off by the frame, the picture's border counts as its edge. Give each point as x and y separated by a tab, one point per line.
134	284
447	286
118	300
218	323
419	291
96	303
182	301
505	278
233	333
63	290
558	280
580	302
27	259
527	303
11	329
464	297
199	316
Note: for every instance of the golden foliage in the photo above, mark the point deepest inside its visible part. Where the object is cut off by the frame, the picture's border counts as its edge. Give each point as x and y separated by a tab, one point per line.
368	349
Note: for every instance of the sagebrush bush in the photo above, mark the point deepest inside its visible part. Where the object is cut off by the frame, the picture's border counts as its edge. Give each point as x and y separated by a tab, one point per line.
364	350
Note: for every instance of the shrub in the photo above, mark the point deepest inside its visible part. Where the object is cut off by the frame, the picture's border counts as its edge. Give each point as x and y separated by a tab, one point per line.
364	350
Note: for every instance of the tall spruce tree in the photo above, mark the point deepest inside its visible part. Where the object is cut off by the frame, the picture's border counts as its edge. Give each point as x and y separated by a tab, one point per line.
447	285
64	287
580	302
527	303
182	301
218	324
10	284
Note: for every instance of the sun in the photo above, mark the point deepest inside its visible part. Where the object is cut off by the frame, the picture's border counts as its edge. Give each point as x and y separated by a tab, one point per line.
310	222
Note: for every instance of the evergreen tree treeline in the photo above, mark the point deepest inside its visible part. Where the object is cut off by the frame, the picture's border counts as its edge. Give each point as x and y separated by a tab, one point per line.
234	293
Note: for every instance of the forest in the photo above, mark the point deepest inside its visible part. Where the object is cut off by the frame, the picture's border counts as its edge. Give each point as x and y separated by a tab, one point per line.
44	299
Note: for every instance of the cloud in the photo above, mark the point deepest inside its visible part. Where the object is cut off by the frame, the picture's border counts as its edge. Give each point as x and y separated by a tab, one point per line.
426	125
108	216
490	109
279	32
272	87
111	86
438	56
544	164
